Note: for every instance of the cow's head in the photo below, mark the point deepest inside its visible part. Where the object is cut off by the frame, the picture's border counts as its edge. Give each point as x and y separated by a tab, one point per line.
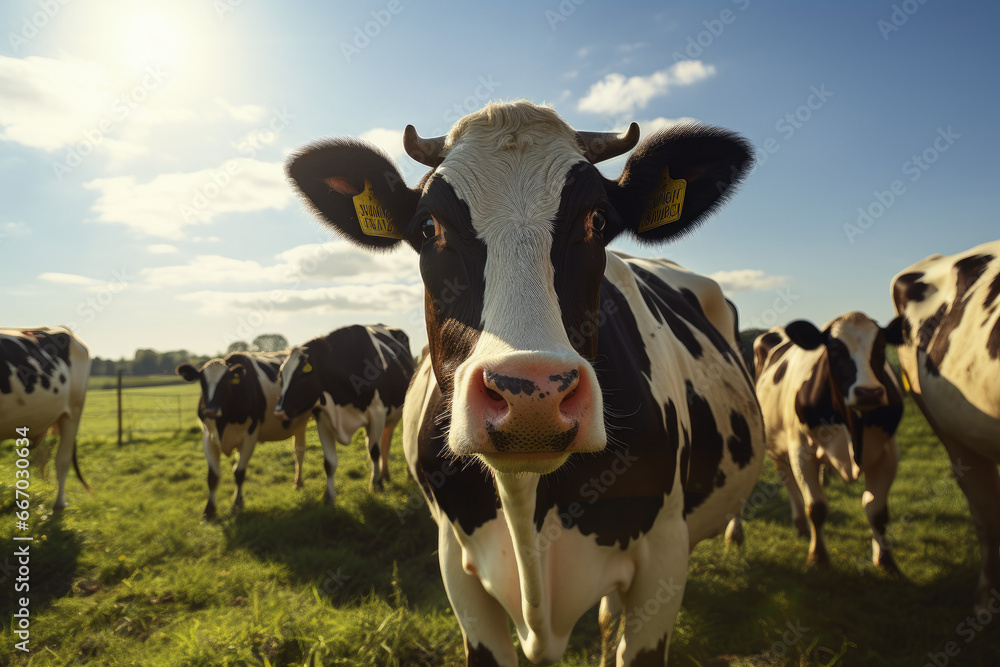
855	351
511	225
219	382
301	389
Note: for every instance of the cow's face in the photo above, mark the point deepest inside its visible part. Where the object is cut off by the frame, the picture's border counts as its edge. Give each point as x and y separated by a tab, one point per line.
300	385
511	227
855	347
219	383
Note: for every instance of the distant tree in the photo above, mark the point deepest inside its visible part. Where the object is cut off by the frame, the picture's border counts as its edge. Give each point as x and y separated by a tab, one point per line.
270	342
238	346
147	362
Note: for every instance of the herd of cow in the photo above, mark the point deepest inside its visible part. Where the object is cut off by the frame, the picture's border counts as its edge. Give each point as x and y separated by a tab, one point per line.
602	399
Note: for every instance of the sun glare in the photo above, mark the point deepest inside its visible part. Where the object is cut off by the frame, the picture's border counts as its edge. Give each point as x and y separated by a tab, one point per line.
151	39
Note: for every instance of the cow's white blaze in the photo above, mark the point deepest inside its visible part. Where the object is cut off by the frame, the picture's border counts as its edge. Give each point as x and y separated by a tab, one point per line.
858	333
510	167
213	373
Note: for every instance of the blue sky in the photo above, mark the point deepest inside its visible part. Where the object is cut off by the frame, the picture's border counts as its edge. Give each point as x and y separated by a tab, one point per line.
141	146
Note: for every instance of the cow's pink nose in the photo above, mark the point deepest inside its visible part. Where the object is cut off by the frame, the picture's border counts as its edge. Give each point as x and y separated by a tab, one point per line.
534	409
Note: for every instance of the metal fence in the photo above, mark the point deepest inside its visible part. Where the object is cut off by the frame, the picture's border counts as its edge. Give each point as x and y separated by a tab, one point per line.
127	413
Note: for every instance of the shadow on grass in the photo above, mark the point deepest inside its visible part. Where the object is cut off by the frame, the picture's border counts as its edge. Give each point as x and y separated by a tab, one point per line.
52	556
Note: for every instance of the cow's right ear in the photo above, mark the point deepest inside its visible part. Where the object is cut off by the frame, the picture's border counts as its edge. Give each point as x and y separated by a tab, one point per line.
188	372
805	334
331	174
893	332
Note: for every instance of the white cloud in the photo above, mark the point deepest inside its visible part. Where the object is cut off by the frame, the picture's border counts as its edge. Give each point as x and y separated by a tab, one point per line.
13	230
167	204
747	280
385	298
70	279
52	103
616	94
635	46
245	113
161	249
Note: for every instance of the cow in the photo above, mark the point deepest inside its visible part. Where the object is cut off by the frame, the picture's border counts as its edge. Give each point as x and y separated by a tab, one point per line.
43	383
830	398
948	309
583	417
236	410
354	377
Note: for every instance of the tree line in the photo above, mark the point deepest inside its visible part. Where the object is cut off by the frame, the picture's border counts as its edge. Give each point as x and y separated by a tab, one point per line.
152	362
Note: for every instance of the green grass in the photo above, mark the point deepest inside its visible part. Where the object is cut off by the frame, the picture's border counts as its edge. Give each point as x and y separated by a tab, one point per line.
132	575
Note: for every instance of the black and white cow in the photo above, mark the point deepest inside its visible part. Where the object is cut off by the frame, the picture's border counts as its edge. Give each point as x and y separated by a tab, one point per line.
43	383
354	377
236	409
602	419
949	309
829	397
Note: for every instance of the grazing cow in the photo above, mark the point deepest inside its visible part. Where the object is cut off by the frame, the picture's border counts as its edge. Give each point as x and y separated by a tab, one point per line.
236	409
949	308
602	419
43	383
829	397
352	378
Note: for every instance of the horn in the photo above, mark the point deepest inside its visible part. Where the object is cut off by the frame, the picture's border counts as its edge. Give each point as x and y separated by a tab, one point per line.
598	146
424	151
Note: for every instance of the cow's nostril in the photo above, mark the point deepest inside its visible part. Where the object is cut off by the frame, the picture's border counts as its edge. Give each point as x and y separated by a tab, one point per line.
494	395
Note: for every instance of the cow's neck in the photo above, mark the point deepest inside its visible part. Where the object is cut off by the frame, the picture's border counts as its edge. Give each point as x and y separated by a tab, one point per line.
518	494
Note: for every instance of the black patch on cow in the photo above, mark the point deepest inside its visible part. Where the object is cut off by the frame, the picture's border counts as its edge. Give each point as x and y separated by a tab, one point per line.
993	342
18	352
992	292
880	520
907	288
706	449
479	656
968	270
814	401
817	513
510	385
651	657
240	474
720	479
62	378
213	479
843	368
269	368
673	437
779	372
740	443
348	364
453	269
327	467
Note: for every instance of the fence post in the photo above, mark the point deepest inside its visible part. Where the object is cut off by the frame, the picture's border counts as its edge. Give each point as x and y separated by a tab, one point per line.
119	408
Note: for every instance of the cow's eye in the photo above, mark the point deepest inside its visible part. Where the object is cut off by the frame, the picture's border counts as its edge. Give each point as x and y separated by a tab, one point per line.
428	228
598	220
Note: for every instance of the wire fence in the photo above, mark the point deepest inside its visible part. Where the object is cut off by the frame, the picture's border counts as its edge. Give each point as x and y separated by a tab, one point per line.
128	413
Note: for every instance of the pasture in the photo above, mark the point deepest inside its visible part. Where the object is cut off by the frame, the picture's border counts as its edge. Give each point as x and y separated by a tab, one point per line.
132	575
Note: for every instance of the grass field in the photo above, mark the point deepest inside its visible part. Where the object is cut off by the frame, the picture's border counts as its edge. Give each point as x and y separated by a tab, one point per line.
131	575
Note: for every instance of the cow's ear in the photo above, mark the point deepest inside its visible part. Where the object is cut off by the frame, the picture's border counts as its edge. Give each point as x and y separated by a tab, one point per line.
893	331
188	372
805	334
237	371
676	178
330	174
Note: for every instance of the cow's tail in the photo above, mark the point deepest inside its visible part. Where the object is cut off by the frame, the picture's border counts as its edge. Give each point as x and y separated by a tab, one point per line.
76	467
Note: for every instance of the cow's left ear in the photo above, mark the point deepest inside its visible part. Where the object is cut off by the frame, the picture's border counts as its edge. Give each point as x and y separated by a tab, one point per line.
676	178
188	372
238	372
805	334
893	332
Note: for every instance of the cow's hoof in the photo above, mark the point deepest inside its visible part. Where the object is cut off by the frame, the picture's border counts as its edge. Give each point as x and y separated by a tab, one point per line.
819	560
209	513
802	525
328	499
734	534
887	565
378	486
299	485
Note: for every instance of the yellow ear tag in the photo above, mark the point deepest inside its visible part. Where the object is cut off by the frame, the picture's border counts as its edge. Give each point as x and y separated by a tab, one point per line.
665	204
307	367
374	218
906	382
235	380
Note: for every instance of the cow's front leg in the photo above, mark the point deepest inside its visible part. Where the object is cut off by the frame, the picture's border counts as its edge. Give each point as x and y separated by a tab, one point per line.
484	623
64	456
878	478
328	438
374	433
300	453
654	598
240	471
212	455
610	619
805	468
386	444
